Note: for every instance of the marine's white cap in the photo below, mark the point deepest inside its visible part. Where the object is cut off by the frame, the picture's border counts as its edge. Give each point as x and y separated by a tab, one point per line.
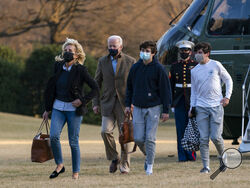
185	44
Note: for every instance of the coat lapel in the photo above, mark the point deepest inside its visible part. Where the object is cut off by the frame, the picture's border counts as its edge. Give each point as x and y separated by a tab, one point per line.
120	64
119	61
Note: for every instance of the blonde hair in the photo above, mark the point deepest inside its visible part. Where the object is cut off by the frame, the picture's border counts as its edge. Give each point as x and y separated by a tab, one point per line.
79	50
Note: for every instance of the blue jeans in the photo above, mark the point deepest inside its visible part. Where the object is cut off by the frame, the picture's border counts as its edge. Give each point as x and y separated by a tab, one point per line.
145	122
58	120
181	121
210	125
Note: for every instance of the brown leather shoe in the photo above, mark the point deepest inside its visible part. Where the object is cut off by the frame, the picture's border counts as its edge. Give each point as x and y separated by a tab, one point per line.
113	166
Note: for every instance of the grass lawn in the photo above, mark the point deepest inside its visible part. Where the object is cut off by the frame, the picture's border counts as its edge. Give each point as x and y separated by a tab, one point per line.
16	169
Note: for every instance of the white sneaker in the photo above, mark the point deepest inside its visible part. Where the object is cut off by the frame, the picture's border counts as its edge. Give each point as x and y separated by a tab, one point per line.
205	170
149	170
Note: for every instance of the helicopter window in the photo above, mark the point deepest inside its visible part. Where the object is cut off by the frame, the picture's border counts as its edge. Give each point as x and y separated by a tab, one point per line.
230	17
198	23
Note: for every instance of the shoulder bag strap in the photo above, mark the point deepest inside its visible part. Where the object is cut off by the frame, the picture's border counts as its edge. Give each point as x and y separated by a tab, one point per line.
41	127
134	149
47	127
46	123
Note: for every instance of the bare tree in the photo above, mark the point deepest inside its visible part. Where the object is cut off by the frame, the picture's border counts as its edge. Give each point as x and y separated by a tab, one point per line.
29	22
57	15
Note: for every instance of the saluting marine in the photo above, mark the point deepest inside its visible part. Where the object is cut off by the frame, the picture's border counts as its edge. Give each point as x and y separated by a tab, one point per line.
180	78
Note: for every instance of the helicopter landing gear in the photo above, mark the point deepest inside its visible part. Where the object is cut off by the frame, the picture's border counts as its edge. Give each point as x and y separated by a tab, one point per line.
235	141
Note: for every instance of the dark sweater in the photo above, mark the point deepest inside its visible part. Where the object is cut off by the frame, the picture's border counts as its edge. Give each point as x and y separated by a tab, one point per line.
148	86
62	93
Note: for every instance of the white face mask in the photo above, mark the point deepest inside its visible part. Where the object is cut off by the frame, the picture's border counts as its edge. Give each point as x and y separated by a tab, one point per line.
199	58
145	55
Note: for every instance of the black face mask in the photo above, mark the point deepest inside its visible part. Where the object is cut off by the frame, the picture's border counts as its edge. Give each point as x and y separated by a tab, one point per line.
113	52
184	55
68	56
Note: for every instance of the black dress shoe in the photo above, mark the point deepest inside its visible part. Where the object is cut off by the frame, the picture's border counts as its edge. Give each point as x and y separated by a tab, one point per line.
113	166
55	173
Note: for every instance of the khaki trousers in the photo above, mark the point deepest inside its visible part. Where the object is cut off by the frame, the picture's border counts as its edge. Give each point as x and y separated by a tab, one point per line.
108	126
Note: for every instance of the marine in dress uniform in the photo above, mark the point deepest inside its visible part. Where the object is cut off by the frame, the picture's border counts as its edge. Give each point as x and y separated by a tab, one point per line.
180	78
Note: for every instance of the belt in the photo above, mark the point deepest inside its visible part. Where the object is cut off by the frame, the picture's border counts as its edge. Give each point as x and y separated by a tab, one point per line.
183	85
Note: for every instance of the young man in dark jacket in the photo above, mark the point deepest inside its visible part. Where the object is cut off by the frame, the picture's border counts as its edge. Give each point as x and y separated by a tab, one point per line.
148	88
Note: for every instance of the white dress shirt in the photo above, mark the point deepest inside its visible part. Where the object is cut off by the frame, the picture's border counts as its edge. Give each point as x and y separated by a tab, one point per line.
207	80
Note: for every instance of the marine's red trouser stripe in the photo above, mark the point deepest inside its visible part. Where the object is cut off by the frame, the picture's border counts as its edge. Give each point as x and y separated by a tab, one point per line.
193	155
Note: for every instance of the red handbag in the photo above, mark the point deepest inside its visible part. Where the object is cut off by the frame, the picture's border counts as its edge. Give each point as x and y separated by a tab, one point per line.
41	149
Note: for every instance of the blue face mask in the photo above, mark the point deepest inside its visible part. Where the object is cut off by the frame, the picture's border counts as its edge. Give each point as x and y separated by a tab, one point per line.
145	55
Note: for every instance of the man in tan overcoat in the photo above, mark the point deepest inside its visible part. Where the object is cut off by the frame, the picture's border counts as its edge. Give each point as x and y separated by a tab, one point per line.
111	76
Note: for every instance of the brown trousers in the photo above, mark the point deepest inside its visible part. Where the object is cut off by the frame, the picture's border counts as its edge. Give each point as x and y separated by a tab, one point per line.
108	126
